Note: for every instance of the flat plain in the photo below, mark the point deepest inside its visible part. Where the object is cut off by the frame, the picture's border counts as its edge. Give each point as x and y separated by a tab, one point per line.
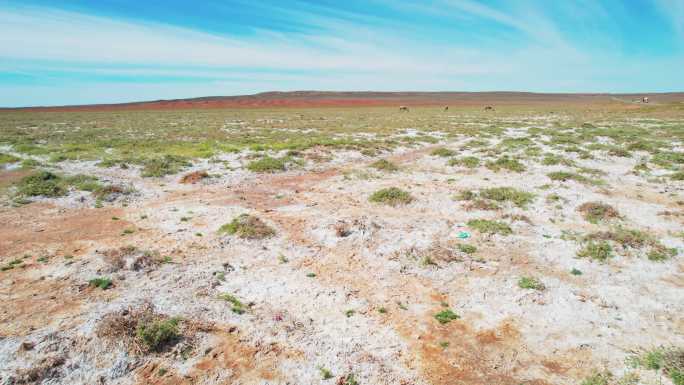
534	243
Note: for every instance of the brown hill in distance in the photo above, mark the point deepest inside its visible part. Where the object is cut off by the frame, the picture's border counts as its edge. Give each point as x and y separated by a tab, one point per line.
368	98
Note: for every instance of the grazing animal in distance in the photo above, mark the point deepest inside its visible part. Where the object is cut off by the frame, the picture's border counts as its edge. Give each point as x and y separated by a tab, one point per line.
645	99
489	108
403	109
446	108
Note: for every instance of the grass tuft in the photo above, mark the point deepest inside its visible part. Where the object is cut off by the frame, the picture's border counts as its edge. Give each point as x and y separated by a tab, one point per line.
267	164
595	212
391	196
446	316
531	283
247	226
508	194
384	165
490	227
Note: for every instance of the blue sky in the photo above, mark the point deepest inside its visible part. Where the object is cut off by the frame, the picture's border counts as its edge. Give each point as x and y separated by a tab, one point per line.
56	52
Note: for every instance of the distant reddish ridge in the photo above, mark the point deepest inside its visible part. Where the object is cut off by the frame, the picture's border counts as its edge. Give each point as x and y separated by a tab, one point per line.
301	99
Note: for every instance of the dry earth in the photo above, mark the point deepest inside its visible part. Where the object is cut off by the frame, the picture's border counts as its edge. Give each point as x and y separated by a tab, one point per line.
346	285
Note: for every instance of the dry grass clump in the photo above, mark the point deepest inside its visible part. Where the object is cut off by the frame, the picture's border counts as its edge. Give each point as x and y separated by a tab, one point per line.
595	212
384	165
248	226
466	161
130	258
443	152
194	177
480	204
627	240
48	368
144	331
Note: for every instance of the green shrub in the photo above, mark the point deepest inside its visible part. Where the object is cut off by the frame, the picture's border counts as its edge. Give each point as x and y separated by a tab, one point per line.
446	316
102	283
506	163
43	183
677	176
564	176
467	161
465	248
166	165
392	196
237	306
530	283
267	164
247	227
443	152
490	227
600	251
154	335
508	194
7	158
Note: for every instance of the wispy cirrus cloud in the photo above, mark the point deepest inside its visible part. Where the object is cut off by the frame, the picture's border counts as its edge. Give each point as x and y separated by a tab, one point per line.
381	45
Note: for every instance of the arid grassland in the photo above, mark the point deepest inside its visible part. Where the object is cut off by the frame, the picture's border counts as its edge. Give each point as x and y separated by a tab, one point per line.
523	245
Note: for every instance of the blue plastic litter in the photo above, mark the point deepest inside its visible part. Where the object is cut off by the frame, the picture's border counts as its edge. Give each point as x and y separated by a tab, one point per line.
463	235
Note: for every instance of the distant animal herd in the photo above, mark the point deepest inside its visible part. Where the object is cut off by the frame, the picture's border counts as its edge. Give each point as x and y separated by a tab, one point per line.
446	108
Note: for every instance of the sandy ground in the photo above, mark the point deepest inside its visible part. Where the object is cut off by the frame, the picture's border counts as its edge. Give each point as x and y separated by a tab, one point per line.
369	310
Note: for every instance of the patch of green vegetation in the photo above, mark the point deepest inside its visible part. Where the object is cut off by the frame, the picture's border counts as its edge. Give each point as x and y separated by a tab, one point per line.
490	227
83	182
349	313
12	264
384	165
677	176
311	275
247	226
601	378
575	271
465	248
508	194
599	251
267	164
155	335
554	159
443	152
42	183
237	306
166	165
325	373
506	163
102	283
382	310
619	151
659	254
392	196
446	316
467	161
8	158
530	283
466	195
564	176
444	344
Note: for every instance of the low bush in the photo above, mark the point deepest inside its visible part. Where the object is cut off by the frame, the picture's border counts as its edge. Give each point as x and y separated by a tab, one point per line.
248	227
391	196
